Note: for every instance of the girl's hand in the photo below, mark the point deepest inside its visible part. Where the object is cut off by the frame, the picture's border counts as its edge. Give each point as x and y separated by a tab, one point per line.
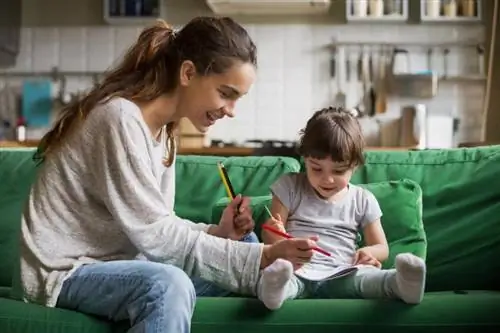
364	257
296	250
276	222
236	220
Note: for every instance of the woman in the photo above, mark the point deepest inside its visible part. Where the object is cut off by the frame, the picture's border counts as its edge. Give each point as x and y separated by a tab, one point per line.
104	194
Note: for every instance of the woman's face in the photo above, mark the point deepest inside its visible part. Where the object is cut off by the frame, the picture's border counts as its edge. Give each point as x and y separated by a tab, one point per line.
206	99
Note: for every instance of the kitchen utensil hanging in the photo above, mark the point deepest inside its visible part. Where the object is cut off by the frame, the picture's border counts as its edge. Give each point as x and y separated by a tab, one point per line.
340	97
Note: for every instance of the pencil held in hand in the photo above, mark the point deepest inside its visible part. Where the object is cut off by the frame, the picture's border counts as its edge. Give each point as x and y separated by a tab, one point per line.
225	180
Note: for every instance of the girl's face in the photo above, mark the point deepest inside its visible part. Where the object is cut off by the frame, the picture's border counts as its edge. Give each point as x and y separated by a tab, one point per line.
206	99
327	177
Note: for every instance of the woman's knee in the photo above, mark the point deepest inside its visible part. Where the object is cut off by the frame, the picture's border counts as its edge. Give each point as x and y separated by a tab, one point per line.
170	282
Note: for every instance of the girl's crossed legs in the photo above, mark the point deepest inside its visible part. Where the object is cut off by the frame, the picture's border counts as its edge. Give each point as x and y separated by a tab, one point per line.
405	282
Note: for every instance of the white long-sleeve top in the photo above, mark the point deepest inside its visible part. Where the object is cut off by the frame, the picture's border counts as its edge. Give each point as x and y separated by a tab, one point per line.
107	196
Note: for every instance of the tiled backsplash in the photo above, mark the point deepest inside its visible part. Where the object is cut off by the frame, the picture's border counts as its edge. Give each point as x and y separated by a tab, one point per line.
293	74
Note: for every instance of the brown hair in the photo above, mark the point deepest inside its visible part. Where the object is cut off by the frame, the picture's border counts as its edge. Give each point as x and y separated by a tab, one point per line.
333	133
150	69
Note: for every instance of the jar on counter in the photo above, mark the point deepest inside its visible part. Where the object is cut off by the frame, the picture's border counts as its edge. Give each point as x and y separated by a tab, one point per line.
433	8
393	7
450	8
468	8
376	8
360	8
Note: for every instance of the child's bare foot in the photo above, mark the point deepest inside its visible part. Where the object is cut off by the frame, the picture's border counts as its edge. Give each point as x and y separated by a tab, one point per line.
273	282
410	277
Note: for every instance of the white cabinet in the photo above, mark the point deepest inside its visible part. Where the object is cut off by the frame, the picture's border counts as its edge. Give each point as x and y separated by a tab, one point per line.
377	10
450	10
132	11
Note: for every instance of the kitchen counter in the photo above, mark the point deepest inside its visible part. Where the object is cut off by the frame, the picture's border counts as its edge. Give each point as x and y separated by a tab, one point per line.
214	151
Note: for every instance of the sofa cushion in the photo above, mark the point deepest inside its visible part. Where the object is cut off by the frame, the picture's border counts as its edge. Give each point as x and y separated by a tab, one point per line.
445	312
198	184
461	200
20	317
401	204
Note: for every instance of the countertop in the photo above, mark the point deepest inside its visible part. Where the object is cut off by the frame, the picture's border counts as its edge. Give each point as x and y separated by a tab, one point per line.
215	151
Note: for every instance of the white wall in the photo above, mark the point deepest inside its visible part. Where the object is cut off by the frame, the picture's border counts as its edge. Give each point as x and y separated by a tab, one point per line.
293	77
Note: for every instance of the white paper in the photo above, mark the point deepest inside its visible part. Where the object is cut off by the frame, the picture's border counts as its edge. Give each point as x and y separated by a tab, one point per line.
306	272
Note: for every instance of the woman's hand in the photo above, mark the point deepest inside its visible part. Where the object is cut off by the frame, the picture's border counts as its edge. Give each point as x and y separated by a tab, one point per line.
236	220
296	250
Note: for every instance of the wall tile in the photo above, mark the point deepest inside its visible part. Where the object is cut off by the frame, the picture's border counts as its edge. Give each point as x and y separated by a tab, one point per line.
45	49
293	70
72	49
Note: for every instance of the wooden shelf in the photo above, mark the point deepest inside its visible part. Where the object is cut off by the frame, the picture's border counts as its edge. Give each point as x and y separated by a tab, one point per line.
366	17
458	18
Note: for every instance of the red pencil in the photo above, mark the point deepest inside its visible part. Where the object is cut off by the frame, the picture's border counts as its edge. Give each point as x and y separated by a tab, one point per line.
283	234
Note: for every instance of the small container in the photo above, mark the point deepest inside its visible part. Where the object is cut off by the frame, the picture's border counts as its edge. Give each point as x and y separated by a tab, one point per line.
360	8
21	129
393	7
468	8
450	8
376	8
433	8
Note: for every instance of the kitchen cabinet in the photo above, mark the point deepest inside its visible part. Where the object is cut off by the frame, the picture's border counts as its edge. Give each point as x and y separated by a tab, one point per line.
451	11
132	11
371	11
10	26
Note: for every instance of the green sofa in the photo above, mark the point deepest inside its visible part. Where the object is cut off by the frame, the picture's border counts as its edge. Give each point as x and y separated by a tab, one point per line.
459	202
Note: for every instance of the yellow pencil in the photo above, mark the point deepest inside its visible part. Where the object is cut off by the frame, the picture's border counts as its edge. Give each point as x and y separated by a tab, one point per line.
225	181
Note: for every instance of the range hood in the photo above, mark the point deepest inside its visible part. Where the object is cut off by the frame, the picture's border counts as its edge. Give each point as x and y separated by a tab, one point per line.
266	7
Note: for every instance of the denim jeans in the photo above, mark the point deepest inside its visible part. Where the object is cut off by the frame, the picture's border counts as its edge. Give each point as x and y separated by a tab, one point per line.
154	297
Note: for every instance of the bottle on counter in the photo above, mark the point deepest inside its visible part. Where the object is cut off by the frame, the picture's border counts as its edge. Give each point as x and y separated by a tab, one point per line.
21	129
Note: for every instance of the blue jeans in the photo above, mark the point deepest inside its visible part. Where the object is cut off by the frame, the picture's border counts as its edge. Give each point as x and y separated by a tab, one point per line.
154	297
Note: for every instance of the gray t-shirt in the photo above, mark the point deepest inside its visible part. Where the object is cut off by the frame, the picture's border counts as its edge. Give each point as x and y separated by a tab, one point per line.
107	196
336	223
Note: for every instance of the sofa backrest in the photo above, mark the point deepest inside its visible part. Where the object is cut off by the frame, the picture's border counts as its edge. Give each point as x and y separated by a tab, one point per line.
461	210
198	188
17	172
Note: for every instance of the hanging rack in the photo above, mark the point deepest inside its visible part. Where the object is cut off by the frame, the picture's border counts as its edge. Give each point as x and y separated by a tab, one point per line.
55	74
468	43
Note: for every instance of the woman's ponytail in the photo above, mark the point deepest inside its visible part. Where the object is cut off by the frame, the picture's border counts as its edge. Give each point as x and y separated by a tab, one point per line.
142	75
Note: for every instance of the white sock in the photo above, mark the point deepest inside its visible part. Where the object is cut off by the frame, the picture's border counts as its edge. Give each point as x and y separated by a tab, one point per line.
410	277
272	284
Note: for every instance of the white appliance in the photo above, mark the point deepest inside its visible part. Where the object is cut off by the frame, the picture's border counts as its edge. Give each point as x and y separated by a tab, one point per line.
440	131
266	7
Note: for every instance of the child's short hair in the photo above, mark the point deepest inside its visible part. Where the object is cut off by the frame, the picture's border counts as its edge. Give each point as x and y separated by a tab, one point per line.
333	133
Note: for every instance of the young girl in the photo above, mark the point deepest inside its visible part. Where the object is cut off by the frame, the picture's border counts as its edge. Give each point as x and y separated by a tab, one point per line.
104	193
322	202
